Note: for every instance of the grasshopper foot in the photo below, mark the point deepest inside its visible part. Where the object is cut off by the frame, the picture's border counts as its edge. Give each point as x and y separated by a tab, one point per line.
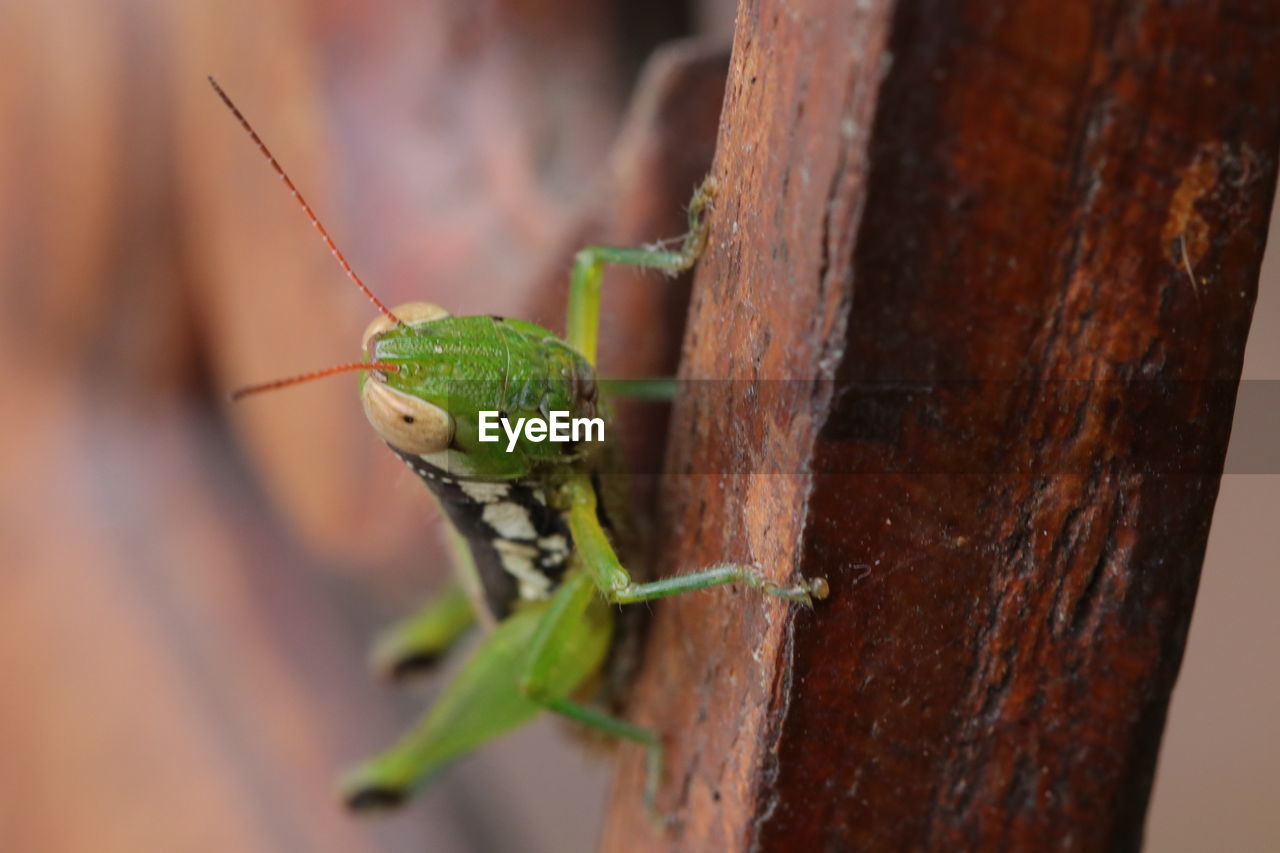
372	799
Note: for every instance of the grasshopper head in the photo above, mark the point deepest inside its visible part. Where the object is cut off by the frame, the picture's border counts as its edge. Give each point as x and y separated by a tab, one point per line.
402	420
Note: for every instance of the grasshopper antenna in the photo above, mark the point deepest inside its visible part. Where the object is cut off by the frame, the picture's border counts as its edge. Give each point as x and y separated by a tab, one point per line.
240	393
315	220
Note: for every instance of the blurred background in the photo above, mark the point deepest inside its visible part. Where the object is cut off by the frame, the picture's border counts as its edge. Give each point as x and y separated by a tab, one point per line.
189	587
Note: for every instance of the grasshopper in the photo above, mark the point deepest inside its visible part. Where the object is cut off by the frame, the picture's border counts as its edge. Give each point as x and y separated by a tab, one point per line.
535	560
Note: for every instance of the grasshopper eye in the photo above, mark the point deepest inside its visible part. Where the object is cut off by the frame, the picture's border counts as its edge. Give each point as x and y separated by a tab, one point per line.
410	313
404	421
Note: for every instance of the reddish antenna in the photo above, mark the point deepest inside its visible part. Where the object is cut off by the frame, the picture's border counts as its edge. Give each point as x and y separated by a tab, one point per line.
315	374
315	220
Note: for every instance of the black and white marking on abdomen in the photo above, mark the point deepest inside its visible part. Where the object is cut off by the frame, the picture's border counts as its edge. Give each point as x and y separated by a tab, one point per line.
520	545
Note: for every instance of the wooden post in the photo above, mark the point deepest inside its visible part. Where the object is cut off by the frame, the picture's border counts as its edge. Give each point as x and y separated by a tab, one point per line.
1006	254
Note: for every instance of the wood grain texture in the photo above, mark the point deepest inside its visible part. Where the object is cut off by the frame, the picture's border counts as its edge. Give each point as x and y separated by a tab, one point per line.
1011	251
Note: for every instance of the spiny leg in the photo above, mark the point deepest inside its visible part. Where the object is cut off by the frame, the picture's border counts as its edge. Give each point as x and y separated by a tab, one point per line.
415	644
588	267
615	582
718	575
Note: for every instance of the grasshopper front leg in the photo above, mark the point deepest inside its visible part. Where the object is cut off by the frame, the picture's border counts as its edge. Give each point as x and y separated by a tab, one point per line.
615	582
588	267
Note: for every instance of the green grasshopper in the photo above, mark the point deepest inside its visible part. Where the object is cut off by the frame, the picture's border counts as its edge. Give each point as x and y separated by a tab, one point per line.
535	559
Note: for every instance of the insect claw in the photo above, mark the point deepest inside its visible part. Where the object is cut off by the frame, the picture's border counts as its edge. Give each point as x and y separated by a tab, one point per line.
373	799
408	668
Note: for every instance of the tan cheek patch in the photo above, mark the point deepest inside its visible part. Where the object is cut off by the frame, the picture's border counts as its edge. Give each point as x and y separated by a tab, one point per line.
404	421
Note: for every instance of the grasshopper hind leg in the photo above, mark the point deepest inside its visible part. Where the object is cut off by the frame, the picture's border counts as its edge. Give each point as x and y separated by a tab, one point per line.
534	659
598	720
557	639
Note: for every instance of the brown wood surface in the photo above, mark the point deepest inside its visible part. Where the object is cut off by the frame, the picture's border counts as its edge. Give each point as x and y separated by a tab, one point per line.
1009	252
